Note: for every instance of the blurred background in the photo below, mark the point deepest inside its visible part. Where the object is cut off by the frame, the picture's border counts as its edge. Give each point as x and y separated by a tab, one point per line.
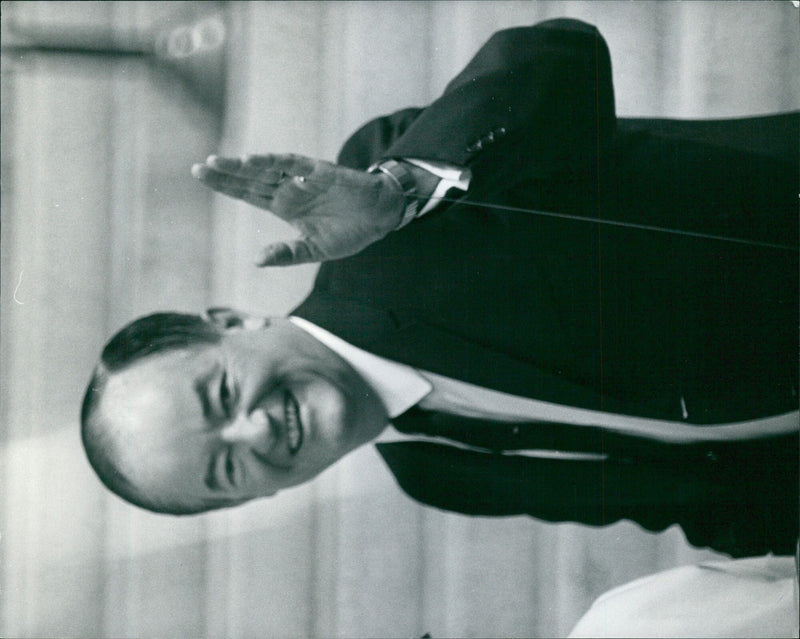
105	106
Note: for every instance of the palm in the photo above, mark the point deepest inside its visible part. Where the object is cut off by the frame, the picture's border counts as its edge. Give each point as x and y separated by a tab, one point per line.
338	211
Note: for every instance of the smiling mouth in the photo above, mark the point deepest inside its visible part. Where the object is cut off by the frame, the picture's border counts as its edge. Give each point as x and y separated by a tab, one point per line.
294	427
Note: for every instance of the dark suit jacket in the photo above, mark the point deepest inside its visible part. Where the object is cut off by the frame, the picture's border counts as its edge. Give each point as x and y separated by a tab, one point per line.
599	316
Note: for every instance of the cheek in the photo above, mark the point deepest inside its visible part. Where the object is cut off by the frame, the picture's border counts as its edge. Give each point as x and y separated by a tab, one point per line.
169	474
329	410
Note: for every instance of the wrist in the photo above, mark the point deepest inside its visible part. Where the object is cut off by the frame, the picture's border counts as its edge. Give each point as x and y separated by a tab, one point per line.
399	177
394	200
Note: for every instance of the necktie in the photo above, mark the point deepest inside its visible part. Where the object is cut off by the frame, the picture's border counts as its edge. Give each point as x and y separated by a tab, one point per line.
498	436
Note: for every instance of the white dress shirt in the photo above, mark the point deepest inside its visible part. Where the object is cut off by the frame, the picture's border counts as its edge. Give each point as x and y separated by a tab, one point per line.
450	177
400	387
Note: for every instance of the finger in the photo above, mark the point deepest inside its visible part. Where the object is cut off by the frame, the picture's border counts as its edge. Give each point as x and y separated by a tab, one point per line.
289	164
258	167
268	169
253	166
264	166
240	165
199	171
234	185
259	161
298	251
237	168
226	165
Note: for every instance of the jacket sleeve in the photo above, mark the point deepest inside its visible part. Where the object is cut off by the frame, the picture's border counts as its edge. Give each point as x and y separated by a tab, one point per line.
369	143
533	99
742	506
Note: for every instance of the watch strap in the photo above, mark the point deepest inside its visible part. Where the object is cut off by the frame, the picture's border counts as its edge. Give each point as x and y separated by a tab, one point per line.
405	182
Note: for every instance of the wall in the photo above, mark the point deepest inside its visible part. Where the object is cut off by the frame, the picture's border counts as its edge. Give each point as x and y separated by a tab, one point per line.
102	222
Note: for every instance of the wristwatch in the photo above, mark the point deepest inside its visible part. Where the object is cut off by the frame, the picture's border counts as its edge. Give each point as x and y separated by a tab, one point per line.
407	184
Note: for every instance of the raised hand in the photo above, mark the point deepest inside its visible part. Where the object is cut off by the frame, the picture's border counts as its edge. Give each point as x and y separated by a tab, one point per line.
338	211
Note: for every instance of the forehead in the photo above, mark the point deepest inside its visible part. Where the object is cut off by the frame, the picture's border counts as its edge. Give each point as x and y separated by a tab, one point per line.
155	415
150	387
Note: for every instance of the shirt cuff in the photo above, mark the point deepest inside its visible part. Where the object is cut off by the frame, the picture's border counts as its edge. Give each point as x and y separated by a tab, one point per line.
449	177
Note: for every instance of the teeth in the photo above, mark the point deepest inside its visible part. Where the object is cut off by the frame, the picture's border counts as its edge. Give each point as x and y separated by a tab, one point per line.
294	431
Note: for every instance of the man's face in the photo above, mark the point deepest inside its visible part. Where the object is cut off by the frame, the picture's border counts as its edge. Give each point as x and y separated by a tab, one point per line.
262	410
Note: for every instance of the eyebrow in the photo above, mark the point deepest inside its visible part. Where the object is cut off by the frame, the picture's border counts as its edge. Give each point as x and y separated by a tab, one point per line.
200	386
210	480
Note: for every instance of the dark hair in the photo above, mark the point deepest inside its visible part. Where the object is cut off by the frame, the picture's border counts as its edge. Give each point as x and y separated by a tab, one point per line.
142	338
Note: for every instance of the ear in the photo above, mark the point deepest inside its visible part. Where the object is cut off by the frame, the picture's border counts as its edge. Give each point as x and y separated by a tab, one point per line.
226	318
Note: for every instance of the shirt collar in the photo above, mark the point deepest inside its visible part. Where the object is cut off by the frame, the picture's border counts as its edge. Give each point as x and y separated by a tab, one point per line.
398	386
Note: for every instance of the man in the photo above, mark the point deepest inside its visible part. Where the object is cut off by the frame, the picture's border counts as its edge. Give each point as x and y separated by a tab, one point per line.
608	307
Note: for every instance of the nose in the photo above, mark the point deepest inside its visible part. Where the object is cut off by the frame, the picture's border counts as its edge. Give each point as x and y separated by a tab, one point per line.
253	429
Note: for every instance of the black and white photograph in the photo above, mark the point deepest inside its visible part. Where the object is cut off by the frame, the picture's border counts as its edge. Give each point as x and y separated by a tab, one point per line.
399	319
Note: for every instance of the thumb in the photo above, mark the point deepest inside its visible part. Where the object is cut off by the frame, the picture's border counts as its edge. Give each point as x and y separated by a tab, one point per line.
287	253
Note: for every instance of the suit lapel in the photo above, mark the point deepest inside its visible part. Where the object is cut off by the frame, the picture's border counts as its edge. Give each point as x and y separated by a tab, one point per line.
398	335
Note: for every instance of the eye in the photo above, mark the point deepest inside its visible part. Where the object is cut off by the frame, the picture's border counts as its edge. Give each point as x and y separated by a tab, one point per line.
230	468
226	394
